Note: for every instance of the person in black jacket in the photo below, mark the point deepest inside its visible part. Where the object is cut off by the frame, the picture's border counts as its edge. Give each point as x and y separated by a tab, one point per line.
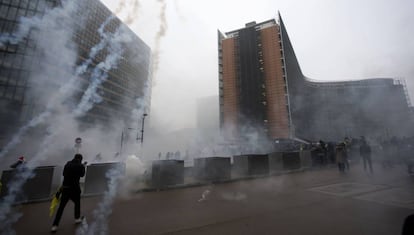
72	173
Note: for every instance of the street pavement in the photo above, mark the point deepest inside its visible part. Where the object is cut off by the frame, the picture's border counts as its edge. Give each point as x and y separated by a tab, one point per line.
319	201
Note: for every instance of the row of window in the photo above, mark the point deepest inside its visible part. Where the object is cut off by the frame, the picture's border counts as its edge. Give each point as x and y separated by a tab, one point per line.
16	9
12	92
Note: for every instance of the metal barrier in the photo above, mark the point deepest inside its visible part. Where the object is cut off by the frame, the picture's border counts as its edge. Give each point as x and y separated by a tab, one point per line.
253	164
167	172
45	181
212	168
96	179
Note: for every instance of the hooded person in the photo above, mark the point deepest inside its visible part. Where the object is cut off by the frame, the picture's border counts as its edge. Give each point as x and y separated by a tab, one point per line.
72	173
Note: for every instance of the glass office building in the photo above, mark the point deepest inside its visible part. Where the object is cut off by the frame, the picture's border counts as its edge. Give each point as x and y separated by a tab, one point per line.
25	71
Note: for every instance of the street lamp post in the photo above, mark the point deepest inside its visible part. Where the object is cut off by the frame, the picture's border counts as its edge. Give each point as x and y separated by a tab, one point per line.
142	129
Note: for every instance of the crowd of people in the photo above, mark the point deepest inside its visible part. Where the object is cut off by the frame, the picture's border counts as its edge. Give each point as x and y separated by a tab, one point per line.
388	152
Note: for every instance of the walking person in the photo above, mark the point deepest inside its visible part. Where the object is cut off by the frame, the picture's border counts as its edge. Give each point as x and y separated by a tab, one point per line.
347	147
72	173
340	154
365	152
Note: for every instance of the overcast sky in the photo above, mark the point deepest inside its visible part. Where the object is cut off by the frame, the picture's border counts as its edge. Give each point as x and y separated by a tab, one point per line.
333	40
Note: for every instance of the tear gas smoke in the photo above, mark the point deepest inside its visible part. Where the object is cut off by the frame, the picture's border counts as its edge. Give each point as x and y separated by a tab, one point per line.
67	88
133	15
104	210
160	34
16	138
120	7
7	214
99	75
43	26
204	195
26	24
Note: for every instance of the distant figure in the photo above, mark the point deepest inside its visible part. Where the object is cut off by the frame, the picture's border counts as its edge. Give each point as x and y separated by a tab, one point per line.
20	162
341	158
72	173
323	152
365	152
347	144
159	156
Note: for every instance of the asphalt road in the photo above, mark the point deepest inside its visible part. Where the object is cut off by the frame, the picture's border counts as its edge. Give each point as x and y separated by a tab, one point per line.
313	202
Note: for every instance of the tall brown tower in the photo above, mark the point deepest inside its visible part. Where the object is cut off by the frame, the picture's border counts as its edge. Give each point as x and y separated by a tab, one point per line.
252	82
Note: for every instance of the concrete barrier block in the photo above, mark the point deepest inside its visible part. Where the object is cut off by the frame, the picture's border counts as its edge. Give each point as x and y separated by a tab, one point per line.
167	173
96	181
275	162
249	165
45	181
212	168
306	159
291	161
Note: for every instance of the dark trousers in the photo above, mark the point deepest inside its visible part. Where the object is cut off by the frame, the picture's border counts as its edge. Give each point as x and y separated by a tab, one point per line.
72	194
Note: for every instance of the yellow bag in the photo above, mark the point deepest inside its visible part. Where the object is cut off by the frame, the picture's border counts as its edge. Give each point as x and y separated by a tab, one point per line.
55	202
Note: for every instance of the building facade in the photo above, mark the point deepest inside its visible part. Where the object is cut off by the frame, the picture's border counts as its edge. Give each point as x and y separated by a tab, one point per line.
262	89
21	63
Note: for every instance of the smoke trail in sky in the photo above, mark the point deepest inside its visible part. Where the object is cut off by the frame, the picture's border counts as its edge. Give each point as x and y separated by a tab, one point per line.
133	15
25	25
67	88
16	138
100	73
97	48
160	34
120	7
42	24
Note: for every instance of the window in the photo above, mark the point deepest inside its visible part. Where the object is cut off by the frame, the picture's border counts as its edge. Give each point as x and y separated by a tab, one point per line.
21	12
15	3
23	3
9	92
3	10
2	89
32	4
11	15
19	94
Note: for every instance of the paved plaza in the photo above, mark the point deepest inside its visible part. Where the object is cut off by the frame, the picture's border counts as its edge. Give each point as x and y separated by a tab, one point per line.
321	201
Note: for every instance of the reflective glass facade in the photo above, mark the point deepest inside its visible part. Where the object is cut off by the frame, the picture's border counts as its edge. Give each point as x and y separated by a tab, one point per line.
20	62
